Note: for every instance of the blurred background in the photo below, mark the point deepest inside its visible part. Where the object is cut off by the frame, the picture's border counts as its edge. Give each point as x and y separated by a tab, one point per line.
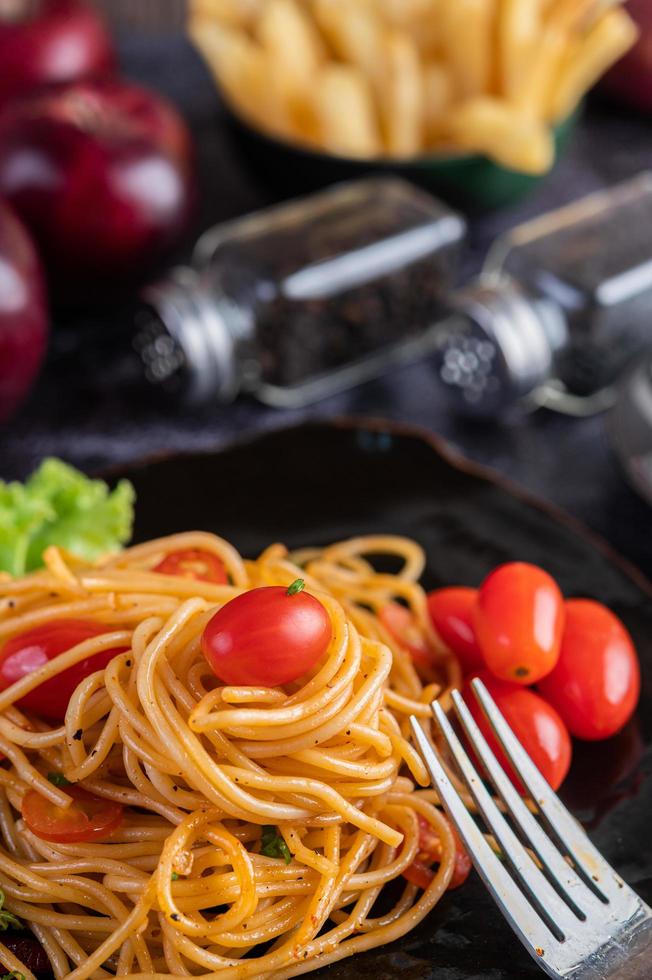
129	131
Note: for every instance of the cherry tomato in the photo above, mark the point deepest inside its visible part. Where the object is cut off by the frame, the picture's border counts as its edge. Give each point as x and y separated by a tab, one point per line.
451	611
596	683
87	818
536	724
420	873
403	627
268	636
194	563
28	651
518	620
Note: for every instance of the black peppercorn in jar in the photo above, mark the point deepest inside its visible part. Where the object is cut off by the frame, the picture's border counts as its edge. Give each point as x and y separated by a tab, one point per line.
306	298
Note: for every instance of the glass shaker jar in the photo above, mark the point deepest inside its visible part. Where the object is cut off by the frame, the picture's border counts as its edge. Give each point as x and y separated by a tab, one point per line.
560	309
303	299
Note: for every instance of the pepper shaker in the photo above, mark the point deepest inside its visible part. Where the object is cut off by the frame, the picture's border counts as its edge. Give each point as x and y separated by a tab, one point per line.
561	308
296	302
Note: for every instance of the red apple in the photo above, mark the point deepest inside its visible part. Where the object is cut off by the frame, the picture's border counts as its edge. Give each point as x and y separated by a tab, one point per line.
102	175
23	313
631	78
50	41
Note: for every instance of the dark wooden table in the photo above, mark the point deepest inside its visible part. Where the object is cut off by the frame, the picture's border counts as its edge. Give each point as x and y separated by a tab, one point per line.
563	460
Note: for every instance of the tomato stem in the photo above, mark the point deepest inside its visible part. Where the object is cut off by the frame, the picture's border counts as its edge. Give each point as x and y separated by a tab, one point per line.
297	586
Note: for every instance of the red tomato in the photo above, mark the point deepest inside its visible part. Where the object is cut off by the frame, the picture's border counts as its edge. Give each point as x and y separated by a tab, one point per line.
451	612
28	651
519	618
536	724
268	636
194	563
596	683
420	873
87	818
403	627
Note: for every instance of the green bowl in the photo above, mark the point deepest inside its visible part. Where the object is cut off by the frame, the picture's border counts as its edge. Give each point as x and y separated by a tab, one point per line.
468	181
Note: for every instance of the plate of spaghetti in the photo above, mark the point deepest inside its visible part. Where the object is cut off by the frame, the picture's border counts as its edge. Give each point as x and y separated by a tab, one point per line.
207	760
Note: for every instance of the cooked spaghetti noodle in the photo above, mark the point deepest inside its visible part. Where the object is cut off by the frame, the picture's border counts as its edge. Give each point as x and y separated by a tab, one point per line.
181	887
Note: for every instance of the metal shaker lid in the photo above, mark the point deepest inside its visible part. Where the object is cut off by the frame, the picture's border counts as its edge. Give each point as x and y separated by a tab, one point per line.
500	346
187	331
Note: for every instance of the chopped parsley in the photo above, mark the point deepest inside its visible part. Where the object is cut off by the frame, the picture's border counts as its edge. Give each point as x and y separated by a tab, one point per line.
273	845
7	919
58	779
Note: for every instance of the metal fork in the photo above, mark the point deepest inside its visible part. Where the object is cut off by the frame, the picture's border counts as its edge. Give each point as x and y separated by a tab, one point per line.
572	912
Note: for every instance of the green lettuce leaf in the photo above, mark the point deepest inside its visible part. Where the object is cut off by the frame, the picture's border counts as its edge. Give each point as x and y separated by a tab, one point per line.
59	505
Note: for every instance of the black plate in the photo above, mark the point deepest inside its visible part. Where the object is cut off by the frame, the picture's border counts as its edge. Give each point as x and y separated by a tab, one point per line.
319	483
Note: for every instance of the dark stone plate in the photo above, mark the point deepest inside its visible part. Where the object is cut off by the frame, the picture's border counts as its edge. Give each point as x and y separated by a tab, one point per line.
319	483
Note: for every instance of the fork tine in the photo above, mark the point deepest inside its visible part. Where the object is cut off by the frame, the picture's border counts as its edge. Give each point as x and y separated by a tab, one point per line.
523	918
578	896
588	862
552	909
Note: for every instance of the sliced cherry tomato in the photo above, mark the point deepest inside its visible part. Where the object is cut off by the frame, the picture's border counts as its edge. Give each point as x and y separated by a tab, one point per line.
518	620
451	611
536	724
597	681
421	874
28	651
268	636
87	818
401	624
203	566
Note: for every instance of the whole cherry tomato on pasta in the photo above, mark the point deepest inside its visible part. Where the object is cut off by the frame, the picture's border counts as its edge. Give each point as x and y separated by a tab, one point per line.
518	621
195	563
451	611
596	683
268	636
536	724
26	652
87	818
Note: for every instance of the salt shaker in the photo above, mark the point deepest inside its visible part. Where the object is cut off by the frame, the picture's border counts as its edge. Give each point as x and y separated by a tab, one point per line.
562	306
298	301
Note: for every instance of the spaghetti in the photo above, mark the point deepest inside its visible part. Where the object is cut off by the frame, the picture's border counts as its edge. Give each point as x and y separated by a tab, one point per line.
182	887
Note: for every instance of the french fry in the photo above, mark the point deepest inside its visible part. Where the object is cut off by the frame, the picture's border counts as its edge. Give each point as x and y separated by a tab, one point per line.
291	39
497	129
231	13
355	33
421	19
468	46
437	97
243	72
572	15
519	31
401	95
295	52
346	113
534	93
586	60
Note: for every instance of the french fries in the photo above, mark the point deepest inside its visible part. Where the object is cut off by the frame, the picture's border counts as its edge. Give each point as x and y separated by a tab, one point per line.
402	78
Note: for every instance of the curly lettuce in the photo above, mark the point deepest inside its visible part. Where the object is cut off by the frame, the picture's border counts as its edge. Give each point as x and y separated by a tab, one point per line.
58	505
